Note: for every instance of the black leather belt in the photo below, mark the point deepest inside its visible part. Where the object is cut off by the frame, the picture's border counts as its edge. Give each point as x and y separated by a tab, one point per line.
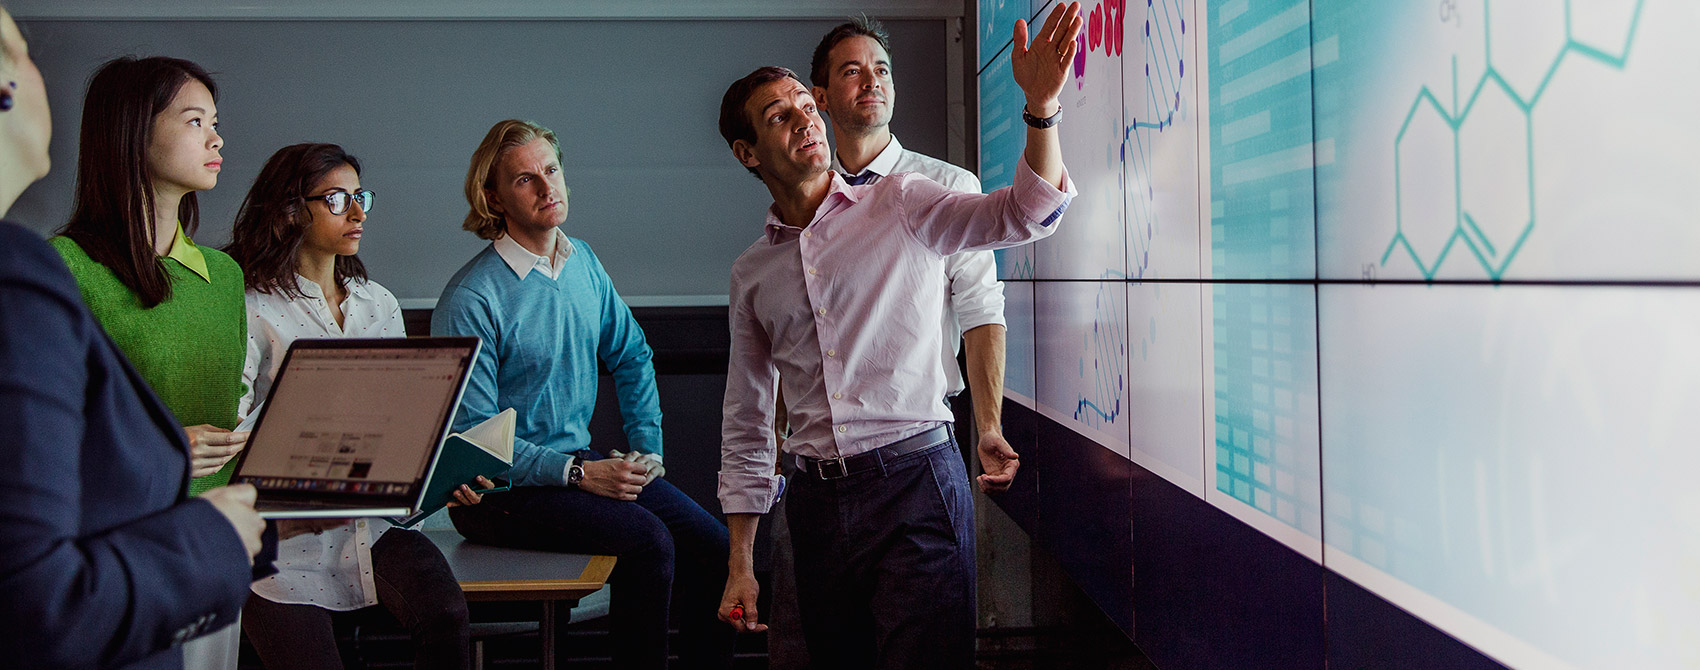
839	468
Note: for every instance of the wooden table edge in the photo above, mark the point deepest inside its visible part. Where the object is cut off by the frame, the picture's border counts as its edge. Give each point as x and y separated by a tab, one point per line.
591	580
599	569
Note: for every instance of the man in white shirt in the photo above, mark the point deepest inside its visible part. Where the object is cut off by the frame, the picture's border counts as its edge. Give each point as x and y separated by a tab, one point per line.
853	83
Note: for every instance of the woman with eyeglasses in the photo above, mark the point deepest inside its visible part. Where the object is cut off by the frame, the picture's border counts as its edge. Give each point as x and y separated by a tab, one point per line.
149	142
297	235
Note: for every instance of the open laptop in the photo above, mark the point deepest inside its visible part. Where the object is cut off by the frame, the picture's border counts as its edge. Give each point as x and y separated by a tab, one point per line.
352	427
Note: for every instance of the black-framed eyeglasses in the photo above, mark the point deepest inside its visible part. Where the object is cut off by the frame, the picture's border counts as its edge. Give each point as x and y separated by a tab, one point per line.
338	201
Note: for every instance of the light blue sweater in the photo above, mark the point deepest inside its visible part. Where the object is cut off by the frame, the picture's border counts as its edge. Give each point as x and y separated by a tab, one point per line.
542	338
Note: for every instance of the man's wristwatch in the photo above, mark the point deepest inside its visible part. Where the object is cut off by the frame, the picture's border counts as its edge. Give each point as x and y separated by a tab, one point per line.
1037	122
575	474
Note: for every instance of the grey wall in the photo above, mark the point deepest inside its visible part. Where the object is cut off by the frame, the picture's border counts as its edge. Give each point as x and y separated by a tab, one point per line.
655	190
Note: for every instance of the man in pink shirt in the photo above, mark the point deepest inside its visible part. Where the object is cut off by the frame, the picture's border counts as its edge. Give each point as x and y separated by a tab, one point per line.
840	301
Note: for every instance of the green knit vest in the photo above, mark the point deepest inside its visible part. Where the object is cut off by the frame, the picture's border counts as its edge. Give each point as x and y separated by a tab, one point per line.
189	348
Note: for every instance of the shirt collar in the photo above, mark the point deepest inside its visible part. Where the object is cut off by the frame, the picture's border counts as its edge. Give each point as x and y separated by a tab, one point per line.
777	230
883	164
522	261
184	251
312	289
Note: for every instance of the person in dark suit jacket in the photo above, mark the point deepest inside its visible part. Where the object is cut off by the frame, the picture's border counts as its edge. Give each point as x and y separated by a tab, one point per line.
105	562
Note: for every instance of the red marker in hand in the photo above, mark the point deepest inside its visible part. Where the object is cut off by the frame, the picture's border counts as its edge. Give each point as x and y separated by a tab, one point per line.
737	613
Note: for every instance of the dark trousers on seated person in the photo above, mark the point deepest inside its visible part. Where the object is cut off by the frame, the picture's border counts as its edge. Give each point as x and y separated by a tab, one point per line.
414	583
664	533
885	563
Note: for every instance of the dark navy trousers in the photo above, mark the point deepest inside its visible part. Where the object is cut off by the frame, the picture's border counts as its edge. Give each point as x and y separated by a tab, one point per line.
662	534
885	563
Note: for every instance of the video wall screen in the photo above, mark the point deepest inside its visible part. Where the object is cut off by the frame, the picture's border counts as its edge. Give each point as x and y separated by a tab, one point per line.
1409	287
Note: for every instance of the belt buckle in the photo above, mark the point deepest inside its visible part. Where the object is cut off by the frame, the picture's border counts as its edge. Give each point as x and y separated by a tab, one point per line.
825	467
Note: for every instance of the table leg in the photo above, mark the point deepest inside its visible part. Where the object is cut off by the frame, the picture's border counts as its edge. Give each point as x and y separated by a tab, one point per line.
546	635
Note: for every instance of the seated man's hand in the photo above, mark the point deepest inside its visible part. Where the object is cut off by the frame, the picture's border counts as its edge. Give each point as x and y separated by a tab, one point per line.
647	460
615	478
466	496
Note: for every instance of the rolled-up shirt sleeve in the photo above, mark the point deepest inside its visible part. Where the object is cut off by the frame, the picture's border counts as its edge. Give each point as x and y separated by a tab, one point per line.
976	295
748	452
948	221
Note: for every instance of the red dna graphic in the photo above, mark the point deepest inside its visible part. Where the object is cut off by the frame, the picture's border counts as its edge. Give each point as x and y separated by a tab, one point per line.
1104	27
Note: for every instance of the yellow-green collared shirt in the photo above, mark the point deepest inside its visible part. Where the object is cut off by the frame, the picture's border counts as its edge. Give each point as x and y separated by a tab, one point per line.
183	250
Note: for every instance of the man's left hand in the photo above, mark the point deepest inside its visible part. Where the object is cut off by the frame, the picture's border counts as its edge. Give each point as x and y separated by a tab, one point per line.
649	461
1043	66
998	460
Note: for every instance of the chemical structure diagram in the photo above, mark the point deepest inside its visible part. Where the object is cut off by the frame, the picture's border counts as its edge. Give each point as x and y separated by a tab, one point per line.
1491	89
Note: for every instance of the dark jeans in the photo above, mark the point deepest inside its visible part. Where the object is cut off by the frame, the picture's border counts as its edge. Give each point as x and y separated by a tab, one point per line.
885	563
414	583
662	534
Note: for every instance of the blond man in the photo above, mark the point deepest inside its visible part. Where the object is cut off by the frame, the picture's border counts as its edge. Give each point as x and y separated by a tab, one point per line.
547	313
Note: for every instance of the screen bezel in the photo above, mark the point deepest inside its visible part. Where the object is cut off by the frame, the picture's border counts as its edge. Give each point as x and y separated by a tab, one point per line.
416	491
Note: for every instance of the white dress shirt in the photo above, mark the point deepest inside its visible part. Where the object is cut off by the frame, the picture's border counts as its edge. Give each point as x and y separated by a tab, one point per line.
975	297
523	261
331	569
845	313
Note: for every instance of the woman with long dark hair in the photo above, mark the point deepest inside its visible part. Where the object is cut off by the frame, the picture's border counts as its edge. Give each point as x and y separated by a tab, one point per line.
103	561
296	237
149	142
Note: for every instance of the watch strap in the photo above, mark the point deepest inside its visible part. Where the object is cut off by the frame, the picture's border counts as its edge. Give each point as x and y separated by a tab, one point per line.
1037	122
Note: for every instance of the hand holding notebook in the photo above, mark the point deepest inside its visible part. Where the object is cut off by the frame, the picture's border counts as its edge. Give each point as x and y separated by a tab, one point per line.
486	450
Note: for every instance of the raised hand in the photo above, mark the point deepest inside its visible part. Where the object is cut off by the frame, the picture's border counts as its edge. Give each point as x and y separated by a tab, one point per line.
1042	66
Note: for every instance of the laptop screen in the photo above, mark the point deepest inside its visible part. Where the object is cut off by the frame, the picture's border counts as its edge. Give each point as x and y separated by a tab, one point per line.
354	420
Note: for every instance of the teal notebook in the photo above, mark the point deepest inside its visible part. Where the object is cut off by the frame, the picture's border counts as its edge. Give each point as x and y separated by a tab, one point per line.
485	449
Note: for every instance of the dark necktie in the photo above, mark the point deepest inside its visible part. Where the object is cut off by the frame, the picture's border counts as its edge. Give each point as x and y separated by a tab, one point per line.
867	177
